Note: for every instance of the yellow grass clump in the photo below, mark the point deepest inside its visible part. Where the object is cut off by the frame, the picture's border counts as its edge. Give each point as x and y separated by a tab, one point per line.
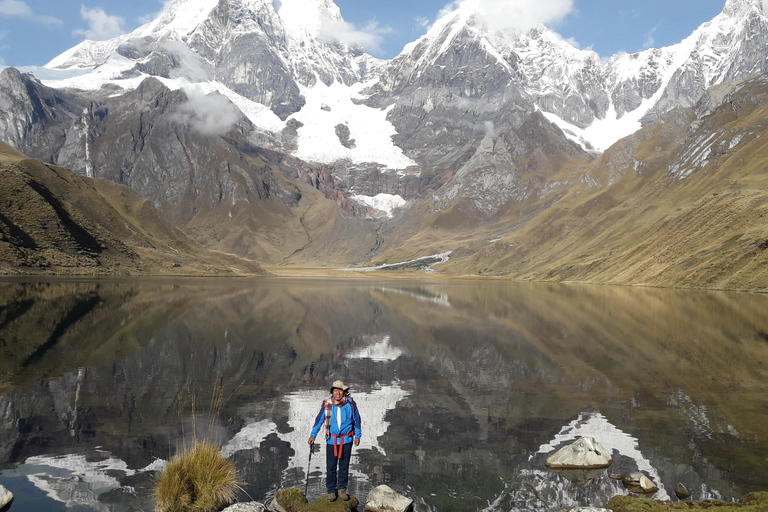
199	479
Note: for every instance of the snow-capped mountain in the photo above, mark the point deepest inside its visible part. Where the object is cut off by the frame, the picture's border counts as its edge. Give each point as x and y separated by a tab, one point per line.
276	58
219	107
595	103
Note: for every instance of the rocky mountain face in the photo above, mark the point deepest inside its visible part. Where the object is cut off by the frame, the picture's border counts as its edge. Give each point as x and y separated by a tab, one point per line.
259	131
680	203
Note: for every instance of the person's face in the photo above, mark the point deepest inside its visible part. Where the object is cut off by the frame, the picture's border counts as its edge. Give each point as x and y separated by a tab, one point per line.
338	394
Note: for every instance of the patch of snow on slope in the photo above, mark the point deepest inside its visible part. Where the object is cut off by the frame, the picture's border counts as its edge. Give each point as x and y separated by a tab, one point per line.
260	115
372	133
386	203
602	133
109	72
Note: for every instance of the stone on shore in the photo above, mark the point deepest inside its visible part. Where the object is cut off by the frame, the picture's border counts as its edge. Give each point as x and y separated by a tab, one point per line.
252	506
586	453
682	492
639	483
384	499
6	497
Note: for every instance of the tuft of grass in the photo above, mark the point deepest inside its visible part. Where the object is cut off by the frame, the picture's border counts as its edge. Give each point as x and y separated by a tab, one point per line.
753	502
293	500
199	479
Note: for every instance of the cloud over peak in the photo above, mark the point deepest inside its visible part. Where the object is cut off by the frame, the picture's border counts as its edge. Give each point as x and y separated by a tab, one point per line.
19	9
515	15
101	26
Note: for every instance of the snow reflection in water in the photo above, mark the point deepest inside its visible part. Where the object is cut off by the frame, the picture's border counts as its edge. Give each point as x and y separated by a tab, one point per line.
611	438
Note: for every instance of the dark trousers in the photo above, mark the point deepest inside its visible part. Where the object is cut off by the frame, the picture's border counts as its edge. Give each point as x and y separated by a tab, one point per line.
332	463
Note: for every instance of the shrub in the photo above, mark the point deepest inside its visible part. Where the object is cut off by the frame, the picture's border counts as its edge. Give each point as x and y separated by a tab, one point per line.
196	480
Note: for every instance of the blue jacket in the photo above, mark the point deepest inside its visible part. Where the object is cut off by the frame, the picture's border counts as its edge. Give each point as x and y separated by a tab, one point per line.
350	421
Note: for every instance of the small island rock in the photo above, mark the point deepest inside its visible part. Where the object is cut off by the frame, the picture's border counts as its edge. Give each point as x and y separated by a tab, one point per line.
682	492
586	453
6	497
384	499
639	483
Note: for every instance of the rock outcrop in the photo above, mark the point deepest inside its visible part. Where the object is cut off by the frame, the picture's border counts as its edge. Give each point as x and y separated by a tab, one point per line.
586	453
639	483
682	492
6	497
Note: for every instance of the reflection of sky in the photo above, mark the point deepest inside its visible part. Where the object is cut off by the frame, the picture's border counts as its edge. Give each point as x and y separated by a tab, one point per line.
611	438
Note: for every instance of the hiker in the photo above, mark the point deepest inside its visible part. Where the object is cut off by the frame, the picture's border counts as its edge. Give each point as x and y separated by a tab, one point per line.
341	419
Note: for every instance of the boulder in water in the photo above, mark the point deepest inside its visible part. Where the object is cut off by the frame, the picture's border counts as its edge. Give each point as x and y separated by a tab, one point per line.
682	492
6	497
384	499
586	453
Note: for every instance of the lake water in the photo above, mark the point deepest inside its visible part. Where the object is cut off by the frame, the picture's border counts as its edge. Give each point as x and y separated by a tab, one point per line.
464	387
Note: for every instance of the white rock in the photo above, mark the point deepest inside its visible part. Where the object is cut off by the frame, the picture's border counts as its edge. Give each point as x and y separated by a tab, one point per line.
6	496
589	509
384	499
252	506
639	483
586	453
276	506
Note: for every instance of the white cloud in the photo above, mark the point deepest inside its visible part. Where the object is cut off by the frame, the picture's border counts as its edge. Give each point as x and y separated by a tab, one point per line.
515	15
19	9
649	40
573	42
765	6
423	22
189	65
371	36
15	8
101	26
209	115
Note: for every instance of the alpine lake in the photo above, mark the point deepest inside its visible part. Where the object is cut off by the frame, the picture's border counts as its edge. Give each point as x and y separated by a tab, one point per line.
465	387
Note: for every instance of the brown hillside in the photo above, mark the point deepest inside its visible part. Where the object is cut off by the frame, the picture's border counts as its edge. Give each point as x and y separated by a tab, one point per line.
53	221
683	202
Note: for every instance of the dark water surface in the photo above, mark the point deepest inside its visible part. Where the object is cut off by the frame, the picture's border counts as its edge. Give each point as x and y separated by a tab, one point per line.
464	387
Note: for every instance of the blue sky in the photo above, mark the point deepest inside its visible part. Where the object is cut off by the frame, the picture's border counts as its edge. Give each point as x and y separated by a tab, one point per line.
34	31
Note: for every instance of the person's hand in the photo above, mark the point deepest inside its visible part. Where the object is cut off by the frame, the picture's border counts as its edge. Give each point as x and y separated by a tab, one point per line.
311	441
357	442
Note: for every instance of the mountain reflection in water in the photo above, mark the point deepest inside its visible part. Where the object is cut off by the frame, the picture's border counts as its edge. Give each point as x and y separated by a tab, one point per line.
465	387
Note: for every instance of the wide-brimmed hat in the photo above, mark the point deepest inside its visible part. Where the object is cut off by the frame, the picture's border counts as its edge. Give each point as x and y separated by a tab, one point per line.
340	385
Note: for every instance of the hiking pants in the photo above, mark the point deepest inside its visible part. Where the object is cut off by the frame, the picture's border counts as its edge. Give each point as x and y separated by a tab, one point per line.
332	463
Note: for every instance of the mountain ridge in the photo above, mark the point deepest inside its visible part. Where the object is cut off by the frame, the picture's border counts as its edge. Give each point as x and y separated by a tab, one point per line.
447	147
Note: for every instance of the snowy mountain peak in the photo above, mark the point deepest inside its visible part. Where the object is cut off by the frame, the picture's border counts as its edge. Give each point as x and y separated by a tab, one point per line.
740	7
311	17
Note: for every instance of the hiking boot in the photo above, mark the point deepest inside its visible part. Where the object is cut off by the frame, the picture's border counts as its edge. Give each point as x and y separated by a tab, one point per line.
332	496
343	496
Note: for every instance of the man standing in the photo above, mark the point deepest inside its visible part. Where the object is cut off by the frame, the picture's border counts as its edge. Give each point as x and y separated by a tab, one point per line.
341	419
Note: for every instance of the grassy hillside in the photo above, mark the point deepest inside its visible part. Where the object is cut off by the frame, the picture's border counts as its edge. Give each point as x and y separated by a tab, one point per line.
683	202
55	222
